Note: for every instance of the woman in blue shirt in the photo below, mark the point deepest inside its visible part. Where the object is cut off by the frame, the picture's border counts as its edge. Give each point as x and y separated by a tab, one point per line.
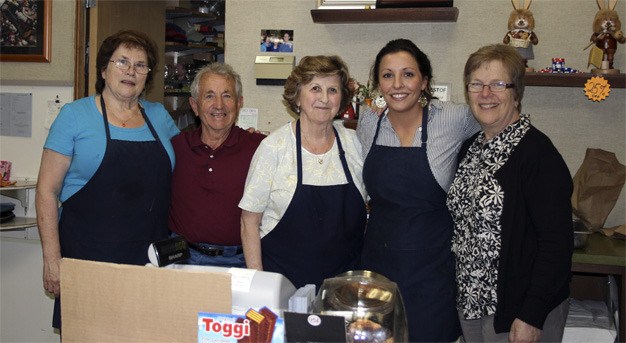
108	161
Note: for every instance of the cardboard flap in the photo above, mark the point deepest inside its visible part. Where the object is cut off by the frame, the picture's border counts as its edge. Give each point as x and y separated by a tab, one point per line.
117	302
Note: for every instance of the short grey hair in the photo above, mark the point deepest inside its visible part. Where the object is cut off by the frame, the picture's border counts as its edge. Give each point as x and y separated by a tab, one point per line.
221	69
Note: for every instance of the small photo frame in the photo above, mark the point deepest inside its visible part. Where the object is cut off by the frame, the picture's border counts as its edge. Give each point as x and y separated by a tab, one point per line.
276	41
25	31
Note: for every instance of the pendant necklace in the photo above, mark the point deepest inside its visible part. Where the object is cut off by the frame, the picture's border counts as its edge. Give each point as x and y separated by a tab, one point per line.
320	159
124	121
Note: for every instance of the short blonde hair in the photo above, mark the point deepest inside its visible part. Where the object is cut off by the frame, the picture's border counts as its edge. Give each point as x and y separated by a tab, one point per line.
511	60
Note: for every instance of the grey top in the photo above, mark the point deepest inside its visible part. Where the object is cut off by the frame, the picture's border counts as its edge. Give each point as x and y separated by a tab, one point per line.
449	125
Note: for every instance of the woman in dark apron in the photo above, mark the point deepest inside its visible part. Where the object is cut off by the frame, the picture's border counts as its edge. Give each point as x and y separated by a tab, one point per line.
319	228
320	234
408	236
123	206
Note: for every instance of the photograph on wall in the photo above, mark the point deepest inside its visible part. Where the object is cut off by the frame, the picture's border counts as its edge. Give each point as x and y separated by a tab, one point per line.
276	41
25	30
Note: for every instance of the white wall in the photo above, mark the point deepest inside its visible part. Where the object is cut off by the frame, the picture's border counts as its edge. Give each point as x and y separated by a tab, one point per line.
563	26
25	309
25	152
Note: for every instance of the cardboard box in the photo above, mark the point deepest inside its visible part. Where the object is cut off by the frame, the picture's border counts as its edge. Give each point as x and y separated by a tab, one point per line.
106	302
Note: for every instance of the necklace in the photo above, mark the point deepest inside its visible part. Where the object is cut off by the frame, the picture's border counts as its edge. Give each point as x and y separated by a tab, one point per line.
320	159
124	121
104	112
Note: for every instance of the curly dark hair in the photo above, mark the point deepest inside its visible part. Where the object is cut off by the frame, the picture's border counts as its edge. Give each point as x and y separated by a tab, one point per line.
312	66
129	39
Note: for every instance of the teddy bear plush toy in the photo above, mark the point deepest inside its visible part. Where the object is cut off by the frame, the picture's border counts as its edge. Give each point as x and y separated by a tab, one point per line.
607	31
521	35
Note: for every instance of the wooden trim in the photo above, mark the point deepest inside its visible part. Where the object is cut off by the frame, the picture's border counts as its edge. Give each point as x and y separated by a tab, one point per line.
570	80
79	50
46	33
385	15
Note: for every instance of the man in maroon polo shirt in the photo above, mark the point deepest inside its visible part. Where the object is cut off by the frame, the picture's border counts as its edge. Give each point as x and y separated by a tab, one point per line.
212	162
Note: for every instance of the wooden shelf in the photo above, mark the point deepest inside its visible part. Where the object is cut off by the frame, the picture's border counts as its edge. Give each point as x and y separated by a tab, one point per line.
19	191
18	223
193	16
192	48
571	80
385	15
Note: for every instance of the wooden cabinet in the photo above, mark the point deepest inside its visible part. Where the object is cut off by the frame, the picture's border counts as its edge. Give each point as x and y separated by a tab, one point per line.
96	20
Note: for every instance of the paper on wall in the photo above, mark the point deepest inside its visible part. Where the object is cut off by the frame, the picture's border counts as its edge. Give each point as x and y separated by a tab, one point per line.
248	117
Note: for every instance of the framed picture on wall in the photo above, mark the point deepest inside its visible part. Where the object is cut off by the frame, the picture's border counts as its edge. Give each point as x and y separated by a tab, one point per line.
276	40
25	31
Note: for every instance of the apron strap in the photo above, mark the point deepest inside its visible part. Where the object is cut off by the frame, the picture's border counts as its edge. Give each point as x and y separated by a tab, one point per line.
378	126
299	152
425	125
106	120
152	130
424	136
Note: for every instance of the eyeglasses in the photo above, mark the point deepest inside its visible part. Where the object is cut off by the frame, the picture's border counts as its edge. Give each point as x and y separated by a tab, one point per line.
499	86
124	64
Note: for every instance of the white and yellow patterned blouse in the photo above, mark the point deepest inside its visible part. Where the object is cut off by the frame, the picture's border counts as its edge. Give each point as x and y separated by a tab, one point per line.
273	173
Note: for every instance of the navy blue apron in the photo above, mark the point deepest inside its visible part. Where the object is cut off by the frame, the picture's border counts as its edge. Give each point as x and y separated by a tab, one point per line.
408	236
122	208
321	233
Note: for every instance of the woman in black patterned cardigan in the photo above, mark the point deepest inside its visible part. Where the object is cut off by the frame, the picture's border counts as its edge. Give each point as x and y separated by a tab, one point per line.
510	201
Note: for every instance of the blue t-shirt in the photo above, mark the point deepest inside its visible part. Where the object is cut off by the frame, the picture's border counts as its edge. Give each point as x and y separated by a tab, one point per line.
78	132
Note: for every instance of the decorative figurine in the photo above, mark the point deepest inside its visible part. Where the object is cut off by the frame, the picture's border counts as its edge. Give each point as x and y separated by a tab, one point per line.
520	34
607	32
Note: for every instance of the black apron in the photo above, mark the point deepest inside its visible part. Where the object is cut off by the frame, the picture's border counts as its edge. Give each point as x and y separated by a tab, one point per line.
408	236
321	233
122	208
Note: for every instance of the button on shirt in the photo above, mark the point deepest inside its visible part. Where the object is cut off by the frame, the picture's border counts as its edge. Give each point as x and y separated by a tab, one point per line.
207	185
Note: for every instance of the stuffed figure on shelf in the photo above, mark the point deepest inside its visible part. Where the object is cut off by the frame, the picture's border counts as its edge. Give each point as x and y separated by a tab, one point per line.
520	35
607	32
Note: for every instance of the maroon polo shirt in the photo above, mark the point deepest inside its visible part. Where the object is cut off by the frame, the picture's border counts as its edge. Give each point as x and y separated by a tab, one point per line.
207	186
